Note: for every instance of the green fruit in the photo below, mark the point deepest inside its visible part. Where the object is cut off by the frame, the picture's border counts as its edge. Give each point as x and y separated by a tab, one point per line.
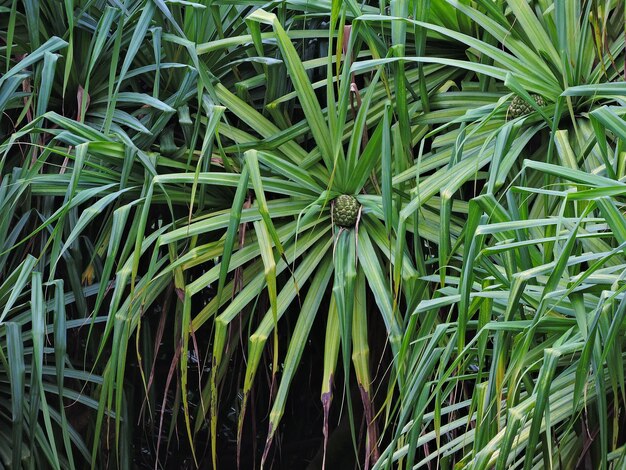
346	210
519	107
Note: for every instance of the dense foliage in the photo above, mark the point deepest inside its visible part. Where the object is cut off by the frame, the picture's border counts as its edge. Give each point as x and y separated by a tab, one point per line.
389	233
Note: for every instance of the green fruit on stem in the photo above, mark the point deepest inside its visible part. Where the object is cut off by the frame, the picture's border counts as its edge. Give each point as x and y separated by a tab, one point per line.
519	107
346	210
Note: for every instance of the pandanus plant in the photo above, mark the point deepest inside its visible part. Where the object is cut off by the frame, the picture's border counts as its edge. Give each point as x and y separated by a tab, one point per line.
82	105
528	351
323	228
